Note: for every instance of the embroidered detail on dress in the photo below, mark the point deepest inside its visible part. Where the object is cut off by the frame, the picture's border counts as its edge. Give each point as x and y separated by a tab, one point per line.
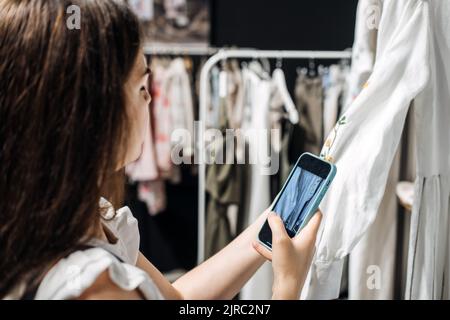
325	154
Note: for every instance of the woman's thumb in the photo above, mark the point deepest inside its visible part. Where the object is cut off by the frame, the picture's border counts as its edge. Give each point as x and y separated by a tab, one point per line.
277	227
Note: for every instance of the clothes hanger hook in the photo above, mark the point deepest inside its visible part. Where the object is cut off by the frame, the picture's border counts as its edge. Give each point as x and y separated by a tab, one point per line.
279	63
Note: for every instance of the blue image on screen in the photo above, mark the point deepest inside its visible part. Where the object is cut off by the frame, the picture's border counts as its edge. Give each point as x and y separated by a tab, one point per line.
293	204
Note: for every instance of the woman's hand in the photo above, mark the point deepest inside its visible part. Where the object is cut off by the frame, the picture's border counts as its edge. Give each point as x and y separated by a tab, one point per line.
291	258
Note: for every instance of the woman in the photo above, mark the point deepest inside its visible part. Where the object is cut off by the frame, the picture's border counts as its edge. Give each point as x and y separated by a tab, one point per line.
73	110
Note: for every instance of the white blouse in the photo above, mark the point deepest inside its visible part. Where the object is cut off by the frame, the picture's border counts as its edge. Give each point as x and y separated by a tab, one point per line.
71	276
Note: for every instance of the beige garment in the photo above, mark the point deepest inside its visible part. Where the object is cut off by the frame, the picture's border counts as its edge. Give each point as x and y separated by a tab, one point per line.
309	100
223	187
235	106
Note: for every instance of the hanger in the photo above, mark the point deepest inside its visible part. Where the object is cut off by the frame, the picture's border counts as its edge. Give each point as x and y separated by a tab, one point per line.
312	68
223	80
302	71
265	63
280	81
279	63
257	68
322	70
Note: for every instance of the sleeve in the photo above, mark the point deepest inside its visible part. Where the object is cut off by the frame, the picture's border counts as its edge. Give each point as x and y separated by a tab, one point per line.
71	276
364	47
365	139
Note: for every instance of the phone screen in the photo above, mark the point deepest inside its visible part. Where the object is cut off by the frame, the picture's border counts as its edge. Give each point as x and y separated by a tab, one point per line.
298	195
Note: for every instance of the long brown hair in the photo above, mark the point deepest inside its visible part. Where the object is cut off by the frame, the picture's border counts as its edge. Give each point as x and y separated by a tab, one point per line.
62	125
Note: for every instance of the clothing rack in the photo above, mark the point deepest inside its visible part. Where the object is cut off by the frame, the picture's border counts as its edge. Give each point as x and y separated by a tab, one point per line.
222	55
164	49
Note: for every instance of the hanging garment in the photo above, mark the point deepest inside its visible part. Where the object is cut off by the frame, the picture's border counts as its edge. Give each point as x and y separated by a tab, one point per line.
144	9
304	136
177	88
363	144
153	194
309	102
290	150
332	94
256	117
234	104
283	146
223	187
364	47
375	253
407	172
176	10
224	181
262	114
213	109
429	266
173	116
371	254
235	95
234	110
162	118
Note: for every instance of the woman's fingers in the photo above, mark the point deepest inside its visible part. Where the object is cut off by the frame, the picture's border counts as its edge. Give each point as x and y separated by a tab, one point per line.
306	237
262	250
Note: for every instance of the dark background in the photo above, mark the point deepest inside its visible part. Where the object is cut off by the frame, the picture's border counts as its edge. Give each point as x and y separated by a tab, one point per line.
169	239
283	24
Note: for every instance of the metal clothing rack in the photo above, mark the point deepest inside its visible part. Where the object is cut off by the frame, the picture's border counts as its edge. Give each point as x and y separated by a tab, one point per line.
188	50
222	55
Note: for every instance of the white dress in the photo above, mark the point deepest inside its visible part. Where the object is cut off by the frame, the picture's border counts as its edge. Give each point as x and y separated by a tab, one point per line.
413	43
370	251
364	47
71	276
259	287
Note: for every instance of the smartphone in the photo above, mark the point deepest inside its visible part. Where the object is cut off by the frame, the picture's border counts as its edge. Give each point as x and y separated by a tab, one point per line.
300	196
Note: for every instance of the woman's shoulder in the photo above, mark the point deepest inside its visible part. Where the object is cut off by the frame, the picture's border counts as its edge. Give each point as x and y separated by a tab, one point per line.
95	273
105	289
